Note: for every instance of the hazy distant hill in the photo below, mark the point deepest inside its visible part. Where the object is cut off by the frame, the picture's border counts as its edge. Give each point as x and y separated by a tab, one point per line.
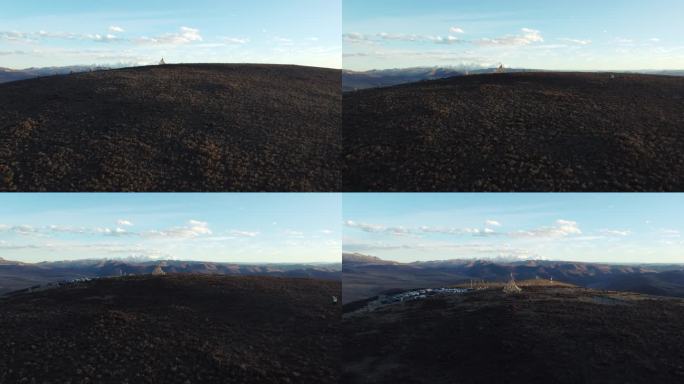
354	80
195	127
366	277
7	75
357	80
665	73
15	275
546	334
517	132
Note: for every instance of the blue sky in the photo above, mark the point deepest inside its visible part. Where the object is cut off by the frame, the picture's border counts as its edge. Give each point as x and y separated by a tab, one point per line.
38	33
613	228
246	228
539	34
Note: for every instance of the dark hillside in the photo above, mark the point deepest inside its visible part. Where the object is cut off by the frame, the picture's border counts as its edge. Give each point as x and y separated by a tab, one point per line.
173	329
546	334
517	132
200	127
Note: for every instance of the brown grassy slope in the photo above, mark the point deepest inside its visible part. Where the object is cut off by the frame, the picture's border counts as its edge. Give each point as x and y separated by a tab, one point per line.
200	127
174	329
542	335
517	132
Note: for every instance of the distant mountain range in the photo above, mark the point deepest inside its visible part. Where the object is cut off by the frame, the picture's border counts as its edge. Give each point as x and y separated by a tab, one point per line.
355	80
16	275
365	276
7	75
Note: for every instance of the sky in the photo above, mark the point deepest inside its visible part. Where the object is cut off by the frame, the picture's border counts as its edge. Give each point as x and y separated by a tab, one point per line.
243	227
535	34
609	228
39	33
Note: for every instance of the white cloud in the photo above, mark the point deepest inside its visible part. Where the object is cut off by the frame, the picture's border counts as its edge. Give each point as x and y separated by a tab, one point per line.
624	41
654	40
359	38
95	37
457	59
115	29
355	38
235	40
283	40
418	38
576	41
561	228
458	250
291	233
186	35
399	231
445	230
364	227
400	37
670	233
124	223
327	232
526	37
446	40
12	53
15	36
405	231
615	232
102	38
237	233
199	227
456	30
194	228
24	230
66	229
118	231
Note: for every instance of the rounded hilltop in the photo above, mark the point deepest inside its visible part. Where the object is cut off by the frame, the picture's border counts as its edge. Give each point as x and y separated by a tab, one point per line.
546	333
173	329
534	131
173	127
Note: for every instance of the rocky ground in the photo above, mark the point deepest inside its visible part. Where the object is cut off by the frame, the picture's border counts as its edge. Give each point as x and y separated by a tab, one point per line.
173	329
199	127
517	132
546	334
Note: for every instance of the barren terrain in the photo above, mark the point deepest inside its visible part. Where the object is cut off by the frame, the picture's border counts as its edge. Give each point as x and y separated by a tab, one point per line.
517	132
199	127
546	334
173	329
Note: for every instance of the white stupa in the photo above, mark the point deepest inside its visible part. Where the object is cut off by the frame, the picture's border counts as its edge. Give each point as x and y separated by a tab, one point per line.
158	271
162	62
511	287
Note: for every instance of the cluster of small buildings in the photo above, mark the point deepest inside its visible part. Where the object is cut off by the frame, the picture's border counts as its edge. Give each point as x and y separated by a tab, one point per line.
38	288
420	294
